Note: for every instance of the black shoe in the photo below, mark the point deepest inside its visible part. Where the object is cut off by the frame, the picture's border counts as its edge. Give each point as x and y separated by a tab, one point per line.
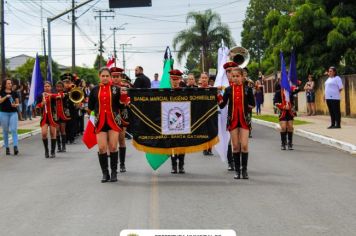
205	152
53	154
16	150
290	146
8	151
244	174
230	167
283	147
122	168
106	177
331	127
46	154
174	170
114	156
237	175
337	127
113	176
181	171
210	153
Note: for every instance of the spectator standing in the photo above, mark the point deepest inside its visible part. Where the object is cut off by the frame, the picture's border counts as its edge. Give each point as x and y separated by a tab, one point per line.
9	102
25	94
333	88
259	96
310	93
155	83
17	89
142	81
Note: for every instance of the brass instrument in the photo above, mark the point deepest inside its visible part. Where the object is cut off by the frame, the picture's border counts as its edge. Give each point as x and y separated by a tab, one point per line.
240	56
76	95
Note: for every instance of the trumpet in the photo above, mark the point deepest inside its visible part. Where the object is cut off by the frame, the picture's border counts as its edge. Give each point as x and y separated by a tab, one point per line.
76	95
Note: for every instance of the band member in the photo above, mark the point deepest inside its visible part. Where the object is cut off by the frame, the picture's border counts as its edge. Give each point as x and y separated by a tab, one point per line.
249	82
240	99
191	81
62	116
229	66
105	100
48	119
286	114
175	77
204	83
71	126
116	74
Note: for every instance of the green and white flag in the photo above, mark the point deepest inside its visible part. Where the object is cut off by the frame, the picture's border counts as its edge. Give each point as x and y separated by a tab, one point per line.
156	160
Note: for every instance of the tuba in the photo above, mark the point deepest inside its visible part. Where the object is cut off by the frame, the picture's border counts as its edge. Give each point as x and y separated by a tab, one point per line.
76	95
240	56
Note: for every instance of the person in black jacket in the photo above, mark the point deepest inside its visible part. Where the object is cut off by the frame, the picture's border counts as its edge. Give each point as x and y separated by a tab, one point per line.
240	98
286	114
142	81
105	100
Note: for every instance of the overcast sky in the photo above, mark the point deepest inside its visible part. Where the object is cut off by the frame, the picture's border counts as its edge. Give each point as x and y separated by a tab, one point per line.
148	29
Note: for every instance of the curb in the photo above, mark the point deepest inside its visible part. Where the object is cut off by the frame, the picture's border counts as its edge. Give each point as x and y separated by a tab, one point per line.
347	147
22	136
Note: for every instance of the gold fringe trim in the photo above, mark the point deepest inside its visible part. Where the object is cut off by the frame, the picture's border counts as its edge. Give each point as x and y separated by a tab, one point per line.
177	150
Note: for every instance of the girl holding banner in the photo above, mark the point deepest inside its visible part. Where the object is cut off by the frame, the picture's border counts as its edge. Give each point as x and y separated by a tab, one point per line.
116	74
105	100
240	98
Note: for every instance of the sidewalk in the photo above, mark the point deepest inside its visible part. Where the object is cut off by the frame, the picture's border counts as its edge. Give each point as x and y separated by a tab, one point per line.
32	125
317	130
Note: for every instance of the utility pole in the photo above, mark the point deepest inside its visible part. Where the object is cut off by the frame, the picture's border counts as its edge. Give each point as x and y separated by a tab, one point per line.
100	15
123	55
49	21
114	33
73	36
2	25
44	51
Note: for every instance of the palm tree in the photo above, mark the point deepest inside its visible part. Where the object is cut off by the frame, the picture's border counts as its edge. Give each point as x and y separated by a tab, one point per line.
203	37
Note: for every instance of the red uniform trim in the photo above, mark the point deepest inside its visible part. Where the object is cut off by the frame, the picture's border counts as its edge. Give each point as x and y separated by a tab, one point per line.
60	108
238	112
47	116
106	116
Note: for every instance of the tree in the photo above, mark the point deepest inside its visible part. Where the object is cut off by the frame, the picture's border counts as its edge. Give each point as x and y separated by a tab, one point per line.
323	33
203	38
97	61
90	75
253	26
24	72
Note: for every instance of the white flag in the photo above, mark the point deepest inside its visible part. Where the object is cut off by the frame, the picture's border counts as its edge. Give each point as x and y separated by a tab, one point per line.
221	80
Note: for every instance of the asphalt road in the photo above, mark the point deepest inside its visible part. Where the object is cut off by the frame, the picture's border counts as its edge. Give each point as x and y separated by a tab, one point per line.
308	191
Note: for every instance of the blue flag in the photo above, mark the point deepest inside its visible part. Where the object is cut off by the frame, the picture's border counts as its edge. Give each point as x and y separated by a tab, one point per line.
292	74
284	78
36	89
285	85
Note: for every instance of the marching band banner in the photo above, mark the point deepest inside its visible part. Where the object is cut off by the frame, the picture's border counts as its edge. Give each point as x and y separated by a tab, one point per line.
167	121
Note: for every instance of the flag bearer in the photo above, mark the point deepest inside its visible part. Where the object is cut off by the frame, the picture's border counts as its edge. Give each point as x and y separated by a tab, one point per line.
177	159
116	74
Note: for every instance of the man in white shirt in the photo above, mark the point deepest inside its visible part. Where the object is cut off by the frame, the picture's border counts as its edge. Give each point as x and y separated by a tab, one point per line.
155	82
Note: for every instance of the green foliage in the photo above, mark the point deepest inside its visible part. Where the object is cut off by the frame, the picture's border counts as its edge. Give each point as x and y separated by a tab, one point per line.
322	32
97	62
203	37
24	72
90	75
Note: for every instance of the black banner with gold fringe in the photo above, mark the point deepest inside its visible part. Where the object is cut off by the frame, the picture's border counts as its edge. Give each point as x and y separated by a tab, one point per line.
173	121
